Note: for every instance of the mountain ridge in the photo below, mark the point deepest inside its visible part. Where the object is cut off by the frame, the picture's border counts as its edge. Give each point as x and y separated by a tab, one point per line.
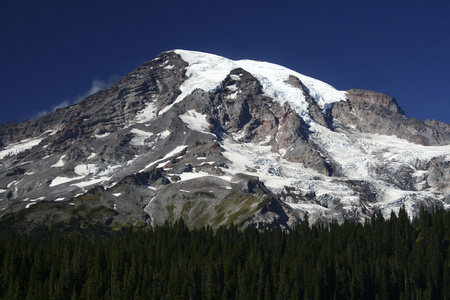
183	126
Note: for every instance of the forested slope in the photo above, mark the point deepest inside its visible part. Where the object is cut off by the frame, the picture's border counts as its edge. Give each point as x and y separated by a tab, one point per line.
381	259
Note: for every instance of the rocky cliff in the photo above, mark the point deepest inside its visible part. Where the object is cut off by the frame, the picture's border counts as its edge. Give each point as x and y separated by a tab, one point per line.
214	141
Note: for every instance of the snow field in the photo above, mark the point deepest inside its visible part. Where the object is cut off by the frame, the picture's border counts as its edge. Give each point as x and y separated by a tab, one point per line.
16	148
195	121
207	71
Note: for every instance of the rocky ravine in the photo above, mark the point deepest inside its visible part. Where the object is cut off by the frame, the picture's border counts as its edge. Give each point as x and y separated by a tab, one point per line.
213	141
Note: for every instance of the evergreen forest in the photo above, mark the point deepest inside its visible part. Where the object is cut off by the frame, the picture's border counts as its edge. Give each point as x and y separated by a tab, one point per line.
395	258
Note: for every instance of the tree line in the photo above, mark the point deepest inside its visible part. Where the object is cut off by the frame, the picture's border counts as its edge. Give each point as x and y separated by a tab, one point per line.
395	258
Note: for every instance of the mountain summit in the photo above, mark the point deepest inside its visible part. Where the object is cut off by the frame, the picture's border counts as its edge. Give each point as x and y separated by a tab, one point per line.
214	141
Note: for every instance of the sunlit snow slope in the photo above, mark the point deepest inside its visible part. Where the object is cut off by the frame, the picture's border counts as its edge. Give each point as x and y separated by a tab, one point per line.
357	155
188	125
206	71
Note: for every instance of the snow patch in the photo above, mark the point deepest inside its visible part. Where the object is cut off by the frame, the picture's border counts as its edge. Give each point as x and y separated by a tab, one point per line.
139	136
164	135
232	87
147	114
12	183
86	169
195	121
100	136
60	180
357	153
109	170
193	175
206	71
161	165
37	199
232	96
60	163
19	147
174	152
90	182
30	204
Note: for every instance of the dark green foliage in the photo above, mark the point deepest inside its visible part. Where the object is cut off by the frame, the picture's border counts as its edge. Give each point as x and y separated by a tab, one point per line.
381	259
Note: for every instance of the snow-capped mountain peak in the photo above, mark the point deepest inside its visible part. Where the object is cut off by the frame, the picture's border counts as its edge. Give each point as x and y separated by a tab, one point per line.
206	71
201	137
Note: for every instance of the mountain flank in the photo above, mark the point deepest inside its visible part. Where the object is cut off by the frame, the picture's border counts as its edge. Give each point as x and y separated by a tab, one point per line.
212	141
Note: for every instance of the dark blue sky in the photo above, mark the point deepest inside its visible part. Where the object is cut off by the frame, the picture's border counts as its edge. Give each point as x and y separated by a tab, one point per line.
54	52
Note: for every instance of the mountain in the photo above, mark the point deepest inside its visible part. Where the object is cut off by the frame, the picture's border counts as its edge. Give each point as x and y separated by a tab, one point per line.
214	141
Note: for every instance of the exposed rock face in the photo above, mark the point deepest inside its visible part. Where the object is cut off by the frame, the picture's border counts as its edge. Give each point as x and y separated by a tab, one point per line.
378	113
439	176
439	125
317	114
213	141
376	99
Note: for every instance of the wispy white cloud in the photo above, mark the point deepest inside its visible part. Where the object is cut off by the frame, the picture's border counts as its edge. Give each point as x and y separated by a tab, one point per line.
96	86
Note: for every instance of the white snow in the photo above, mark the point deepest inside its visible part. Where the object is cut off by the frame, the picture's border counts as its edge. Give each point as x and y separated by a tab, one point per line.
357	153
60	163
30	204
273	170
110	170
37	199
16	148
206	71
91	182
192	175
85	169
100	136
174	152
60	180
161	165
235	77
195	121
232	87
232	96
164	135
147	114
12	183
139	136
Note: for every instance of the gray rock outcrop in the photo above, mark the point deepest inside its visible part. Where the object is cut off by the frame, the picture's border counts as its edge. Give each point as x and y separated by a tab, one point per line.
154	147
